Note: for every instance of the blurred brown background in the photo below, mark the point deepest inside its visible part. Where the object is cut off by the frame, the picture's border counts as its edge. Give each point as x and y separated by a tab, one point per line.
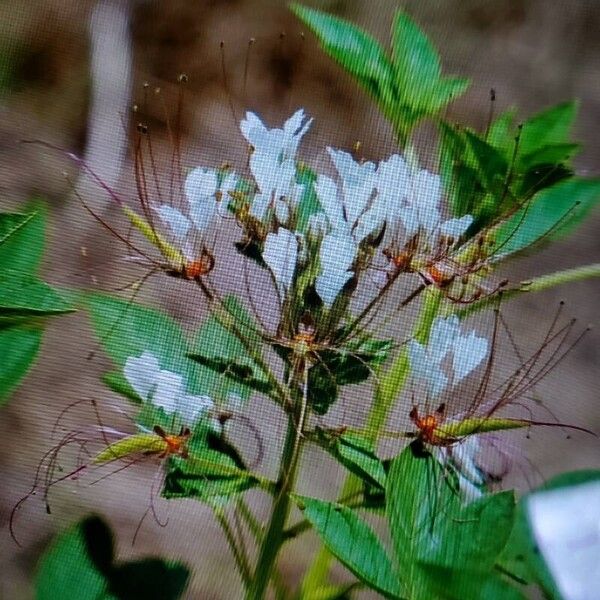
69	72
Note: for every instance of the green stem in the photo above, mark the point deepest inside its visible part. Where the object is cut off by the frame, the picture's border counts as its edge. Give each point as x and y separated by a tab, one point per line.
274	536
390	385
240	559
539	284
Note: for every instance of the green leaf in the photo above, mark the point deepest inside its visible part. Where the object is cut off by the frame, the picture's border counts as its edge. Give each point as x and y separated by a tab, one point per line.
416	61
23	294
418	70
80	565
352	542
428	522
117	382
10	223
149	579
356	51
227	367
209	476
461	584
20	345
128	329
552	212
23	249
68	571
357	455
549	127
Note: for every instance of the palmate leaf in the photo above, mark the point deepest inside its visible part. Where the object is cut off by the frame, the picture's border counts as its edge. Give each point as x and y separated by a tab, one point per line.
128	329
80	565
352	364
353	543
418	70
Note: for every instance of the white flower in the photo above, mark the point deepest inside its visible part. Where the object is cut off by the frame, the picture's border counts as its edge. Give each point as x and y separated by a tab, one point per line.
350	209
280	253
205	198
393	184
276	184
336	256
418	205
278	143
445	338
164	389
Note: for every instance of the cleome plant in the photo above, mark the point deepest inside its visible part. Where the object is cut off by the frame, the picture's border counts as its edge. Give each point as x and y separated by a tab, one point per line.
348	272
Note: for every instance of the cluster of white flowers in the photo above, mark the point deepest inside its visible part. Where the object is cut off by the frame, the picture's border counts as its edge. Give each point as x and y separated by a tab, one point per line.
463	352
365	198
165	389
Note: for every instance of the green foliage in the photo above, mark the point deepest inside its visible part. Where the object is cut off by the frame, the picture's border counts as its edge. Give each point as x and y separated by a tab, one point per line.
81	565
353	543
407	84
20	345
351	364
229	368
511	171
208	476
24	295
434	532
357	455
24	298
553	212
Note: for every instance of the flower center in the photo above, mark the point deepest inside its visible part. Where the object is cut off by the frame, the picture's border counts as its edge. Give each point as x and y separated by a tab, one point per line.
200	267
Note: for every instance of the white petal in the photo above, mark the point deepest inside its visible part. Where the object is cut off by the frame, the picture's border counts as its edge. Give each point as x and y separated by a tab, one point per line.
371	221
336	256
426	197
177	222
327	193
566	526
456	227
468	352
228	184
358	183
423	367
264	168
444	333
191	408
202	212
200	184
318	225
281	254
393	185
169	388
141	373
251	126
282	211
260	203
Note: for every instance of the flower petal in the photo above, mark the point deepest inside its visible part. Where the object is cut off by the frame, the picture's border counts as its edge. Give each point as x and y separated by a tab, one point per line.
327	193
444	333
141	373
169	388
468	352
456	227
192	408
424	367
175	220
336	255
200	184
281	254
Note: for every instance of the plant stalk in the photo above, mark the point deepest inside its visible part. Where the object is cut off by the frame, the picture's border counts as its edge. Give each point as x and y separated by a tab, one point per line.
275	535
